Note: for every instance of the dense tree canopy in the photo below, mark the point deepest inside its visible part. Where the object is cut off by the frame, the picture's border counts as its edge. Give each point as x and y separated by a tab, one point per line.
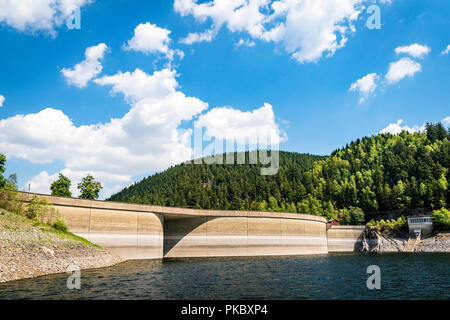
61	187
89	188
223	186
383	172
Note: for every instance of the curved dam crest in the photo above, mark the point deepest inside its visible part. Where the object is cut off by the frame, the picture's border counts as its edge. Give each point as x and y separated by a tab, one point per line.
135	231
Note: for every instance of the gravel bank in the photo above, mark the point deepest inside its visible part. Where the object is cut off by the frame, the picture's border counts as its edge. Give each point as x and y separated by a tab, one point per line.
29	249
438	243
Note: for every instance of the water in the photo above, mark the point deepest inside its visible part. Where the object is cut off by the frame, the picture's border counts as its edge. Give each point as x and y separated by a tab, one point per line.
332	276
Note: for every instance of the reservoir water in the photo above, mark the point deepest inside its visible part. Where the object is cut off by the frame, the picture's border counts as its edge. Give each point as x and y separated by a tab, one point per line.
331	276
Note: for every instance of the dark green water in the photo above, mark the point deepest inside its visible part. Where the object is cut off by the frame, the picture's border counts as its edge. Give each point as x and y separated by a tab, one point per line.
332	276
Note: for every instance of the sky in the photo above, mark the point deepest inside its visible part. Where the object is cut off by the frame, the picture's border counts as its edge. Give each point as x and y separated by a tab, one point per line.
118	88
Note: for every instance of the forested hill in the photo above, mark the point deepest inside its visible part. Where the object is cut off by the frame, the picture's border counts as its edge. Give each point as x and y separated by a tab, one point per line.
232	187
383	172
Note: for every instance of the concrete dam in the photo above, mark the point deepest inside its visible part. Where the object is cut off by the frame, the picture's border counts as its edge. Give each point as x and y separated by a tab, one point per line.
135	231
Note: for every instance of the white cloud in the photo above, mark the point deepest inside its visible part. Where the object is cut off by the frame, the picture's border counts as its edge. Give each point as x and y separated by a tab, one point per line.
247	43
307	29
37	15
194	37
89	68
402	68
230	124
146	139
2	99
396	128
447	50
365	86
149	38
138	85
397	71
41	183
415	50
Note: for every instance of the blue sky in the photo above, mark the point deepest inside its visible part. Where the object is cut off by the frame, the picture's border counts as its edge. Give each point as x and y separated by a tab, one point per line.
293	81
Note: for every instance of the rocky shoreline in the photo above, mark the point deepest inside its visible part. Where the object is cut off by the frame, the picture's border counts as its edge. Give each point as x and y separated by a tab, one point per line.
29	250
374	241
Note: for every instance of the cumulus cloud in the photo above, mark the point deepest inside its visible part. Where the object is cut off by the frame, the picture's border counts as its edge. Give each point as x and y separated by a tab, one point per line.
447	50
89	68
230	124
307	29
37	15
146	139
397	70
2	99
365	86
149	38
415	50
404	67
41	183
398	127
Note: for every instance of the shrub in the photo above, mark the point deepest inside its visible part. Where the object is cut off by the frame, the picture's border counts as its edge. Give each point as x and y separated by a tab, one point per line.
35	208
60	224
42	210
357	215
10	201
387	225
351	216
441	219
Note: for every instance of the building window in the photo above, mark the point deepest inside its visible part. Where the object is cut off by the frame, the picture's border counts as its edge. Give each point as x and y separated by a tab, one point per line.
420	220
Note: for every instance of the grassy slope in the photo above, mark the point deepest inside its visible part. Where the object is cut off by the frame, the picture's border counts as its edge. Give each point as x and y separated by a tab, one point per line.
17	227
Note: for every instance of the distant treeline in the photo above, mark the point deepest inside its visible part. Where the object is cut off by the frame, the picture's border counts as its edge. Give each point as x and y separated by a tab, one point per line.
377	173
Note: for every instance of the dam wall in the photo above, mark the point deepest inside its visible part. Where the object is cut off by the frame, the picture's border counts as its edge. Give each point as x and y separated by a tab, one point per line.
136	231
243	236
344	238
124	229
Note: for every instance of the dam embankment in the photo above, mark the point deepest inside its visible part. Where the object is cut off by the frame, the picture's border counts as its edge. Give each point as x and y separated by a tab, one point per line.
29	250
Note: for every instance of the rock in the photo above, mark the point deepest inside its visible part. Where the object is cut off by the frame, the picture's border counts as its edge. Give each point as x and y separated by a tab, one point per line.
370	241
48	251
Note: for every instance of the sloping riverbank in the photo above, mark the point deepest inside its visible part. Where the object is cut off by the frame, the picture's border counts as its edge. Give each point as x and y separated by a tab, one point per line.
30	249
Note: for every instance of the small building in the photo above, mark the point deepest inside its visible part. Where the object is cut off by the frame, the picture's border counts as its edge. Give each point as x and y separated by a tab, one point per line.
333	222
422	224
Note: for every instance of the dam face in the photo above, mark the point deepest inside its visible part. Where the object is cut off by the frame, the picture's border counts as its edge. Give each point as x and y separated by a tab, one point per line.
135	231
124	229
243	236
